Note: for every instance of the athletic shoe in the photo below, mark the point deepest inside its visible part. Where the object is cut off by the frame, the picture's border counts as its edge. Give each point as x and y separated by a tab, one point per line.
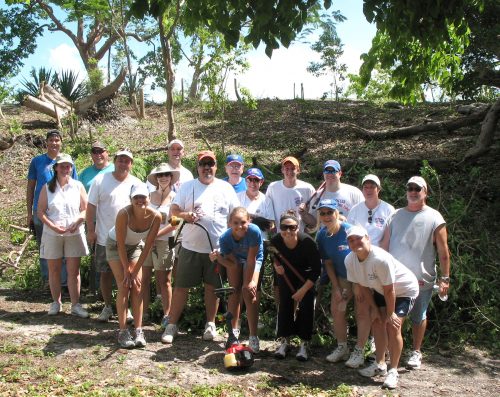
357	358
139	341
415	360
164	322
210	331
79	311
169	334
282	350
253	342
106	314
302	354
54	308
373	369
130	318
125	339
236	333
371	346
341	353
391	380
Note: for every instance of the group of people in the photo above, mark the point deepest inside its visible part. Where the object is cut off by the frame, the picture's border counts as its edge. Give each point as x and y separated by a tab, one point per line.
382	259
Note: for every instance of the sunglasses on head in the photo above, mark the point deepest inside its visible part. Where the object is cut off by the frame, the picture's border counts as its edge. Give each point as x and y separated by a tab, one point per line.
329	171
210	163
370	216
97	151
413	188
326	213
288	227
254	180
159	175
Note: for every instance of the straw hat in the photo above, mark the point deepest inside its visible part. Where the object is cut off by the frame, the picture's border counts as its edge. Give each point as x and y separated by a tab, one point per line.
160	169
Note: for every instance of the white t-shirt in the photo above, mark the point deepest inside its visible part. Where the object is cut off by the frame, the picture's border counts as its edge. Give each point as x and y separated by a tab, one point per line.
358	215
262	206
381	268
346	197
184	176
213	202
109	196
289	198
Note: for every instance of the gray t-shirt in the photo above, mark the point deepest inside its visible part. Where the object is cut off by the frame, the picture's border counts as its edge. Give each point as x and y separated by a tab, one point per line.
412	241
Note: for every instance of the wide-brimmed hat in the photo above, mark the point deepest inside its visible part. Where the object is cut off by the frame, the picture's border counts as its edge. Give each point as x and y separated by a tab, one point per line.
160	169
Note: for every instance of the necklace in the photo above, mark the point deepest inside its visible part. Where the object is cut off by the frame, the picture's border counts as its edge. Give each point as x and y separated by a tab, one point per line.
330	233
162	192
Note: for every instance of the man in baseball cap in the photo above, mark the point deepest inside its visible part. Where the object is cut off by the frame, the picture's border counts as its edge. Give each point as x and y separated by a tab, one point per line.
234	171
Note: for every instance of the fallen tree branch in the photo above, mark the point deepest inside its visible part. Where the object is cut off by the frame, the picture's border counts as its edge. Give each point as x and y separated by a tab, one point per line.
411	164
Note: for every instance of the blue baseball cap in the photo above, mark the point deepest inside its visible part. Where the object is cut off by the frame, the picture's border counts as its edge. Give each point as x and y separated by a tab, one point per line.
234	158
255	172
332	164
327	203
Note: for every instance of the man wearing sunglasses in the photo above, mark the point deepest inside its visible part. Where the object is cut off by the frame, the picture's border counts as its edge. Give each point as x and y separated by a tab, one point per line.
208	201
100	165
413	235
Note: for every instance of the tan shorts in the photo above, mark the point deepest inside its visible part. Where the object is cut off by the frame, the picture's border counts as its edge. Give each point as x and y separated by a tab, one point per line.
133	251
57	247
160	257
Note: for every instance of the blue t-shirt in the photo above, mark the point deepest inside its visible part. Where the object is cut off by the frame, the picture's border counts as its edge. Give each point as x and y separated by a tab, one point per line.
88	174
228	245
241	186
334	248
41	170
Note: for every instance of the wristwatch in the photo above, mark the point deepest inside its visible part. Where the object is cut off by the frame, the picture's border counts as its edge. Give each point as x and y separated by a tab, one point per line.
446	279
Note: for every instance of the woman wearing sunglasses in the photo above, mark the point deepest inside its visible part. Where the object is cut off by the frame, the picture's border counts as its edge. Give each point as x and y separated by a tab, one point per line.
163	177
297	262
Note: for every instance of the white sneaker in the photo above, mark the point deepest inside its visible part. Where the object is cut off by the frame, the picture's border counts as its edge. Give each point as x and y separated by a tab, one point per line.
357	358
373	369
302	355
210	331
79	311
106	314
341	353
282	350
236	333
169	334
415	360
139	340
130	318
391	380
54	308
253	342
125	339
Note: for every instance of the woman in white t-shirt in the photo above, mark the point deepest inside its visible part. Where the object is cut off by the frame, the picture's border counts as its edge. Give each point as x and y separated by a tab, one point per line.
61	207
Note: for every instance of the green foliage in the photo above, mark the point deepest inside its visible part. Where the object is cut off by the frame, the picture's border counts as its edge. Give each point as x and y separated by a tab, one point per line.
95	77
37	77
67	84
247	98
377	90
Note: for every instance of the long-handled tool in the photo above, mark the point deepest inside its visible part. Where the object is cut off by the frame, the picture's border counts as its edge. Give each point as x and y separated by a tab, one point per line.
318	194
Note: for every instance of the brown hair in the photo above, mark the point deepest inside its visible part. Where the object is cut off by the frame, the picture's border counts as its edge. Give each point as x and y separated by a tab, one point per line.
237	210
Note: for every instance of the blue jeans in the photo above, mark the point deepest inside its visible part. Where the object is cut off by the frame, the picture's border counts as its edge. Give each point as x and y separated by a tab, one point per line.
44	267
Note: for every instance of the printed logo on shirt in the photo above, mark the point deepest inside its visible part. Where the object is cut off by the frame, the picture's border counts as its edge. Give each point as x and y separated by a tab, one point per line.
343	207
298	200
372	276
379	222
342	247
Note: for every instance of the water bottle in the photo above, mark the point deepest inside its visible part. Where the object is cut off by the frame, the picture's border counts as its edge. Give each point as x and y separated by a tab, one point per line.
436	289
343	302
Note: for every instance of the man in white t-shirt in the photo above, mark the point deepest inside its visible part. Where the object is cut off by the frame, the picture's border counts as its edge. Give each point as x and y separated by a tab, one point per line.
108	194
207	201
389	289
291	193
372	213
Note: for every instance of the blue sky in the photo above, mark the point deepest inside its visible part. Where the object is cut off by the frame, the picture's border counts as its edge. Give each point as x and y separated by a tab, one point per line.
266	77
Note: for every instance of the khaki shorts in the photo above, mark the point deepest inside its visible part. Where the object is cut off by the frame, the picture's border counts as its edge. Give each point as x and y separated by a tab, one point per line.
133	251
101	263
160	257
193	268
57	247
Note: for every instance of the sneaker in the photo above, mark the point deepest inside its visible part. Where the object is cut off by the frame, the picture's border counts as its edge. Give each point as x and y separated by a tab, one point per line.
130	318
371	346
236	332
282	350
373	369
210	331
391	380
357	358
79	311
54	308
125	339
415	360
253	342
106	314
341	353
164	322
169	334
139	340
302	354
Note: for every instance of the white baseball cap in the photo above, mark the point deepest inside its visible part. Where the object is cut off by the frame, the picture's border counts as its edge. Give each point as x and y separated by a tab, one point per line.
372	178
359	231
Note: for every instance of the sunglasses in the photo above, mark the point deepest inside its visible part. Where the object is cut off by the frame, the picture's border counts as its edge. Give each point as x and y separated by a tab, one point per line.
97	151
413	189
161	174
235	166
329	171
292	228
205	163
325	213
254	180
370	216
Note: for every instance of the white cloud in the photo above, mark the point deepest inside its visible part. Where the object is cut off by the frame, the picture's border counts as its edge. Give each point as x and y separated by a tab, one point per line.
66	57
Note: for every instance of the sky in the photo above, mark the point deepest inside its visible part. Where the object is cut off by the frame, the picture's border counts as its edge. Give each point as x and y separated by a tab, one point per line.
266	78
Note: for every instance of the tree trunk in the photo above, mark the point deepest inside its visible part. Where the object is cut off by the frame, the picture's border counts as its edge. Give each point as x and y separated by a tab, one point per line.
193	89
1	114
238	98
170	79
487	134
44	107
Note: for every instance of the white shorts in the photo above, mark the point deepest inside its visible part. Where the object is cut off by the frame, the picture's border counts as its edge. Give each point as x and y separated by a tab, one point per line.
57	247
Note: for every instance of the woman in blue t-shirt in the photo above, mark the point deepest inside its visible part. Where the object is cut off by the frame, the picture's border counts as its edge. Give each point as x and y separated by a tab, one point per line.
241	253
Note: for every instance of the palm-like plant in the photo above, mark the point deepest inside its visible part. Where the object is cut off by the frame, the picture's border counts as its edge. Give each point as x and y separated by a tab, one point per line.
66	83
32	85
